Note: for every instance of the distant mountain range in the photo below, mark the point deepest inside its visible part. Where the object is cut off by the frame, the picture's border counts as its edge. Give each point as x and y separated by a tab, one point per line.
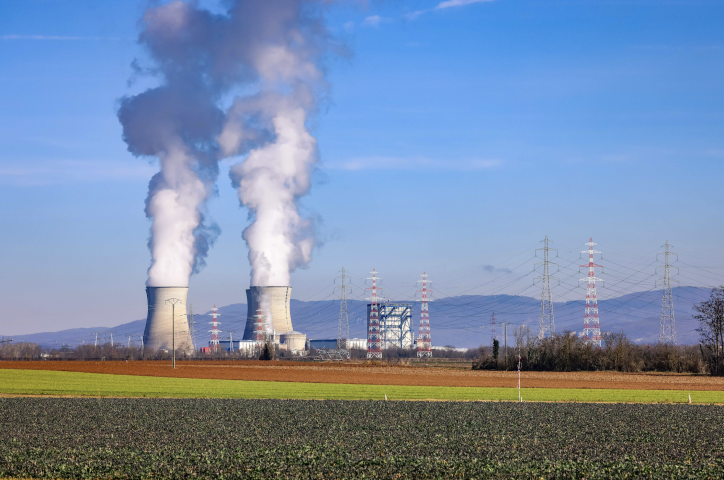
463	321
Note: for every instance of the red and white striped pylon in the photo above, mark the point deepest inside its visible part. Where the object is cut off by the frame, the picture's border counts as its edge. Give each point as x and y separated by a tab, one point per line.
374	333
214	342
424	341
260	320
591	326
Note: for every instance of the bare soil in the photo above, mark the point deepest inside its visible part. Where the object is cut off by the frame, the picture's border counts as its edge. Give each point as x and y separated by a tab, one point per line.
379	374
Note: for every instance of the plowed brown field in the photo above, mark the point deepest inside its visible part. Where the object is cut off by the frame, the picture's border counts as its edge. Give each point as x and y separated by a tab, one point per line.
381	374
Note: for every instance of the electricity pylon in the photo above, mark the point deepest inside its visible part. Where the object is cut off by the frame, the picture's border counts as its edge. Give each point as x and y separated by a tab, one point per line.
343	325
591	325
192	323
667	327
374	333
545	321
493	332
424	341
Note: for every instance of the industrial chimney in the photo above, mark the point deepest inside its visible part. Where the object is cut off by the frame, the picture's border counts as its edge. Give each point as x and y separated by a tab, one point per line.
158	323
271	300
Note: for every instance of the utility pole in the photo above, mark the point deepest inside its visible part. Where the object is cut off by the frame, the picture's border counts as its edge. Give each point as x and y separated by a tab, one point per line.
111	338
545	321
520	399
173	302
129	340
424	341
343	325
493	333
505	327
667	326
591	325
5	340
96	334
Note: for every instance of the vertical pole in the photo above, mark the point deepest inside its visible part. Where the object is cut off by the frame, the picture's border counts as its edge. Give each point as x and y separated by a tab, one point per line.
173	335
506	345
173	302
520	336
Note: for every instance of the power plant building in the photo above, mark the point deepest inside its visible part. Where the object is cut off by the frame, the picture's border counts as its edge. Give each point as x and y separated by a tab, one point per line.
395	324
272	301
167	316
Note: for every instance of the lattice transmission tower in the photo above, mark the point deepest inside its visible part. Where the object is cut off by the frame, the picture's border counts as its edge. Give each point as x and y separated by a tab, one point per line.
343	325
214	342
260	336
374	335
546	322
192	326
667	327
493	332
591	325
424	341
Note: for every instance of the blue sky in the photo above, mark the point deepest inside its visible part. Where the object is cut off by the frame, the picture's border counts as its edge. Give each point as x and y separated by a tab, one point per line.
451	139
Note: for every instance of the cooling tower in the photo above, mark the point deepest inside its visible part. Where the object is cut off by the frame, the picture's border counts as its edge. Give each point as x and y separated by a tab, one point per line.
158	323
275	299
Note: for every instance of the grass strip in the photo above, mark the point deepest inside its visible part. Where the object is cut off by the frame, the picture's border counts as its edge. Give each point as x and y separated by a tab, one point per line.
44	382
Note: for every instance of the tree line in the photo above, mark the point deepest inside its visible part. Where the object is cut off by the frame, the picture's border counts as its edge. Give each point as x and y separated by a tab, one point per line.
566	351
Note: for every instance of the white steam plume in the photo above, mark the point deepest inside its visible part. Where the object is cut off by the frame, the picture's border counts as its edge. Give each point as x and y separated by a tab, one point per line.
276	173
270	48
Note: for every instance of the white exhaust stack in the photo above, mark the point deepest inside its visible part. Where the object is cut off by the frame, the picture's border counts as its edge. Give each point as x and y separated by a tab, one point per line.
274	303
158	333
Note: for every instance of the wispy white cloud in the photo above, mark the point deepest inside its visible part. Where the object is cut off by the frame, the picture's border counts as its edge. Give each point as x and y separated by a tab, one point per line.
374	21
457	3
412	163
56	37
443	6
50	172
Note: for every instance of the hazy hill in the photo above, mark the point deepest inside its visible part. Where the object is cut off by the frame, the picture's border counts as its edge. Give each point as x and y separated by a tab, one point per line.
462	321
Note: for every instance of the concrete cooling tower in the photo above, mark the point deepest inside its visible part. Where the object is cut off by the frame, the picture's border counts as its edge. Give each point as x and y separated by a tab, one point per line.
275	299
158	323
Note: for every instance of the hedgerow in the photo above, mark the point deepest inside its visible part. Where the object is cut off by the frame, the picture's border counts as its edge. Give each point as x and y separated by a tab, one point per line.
202	438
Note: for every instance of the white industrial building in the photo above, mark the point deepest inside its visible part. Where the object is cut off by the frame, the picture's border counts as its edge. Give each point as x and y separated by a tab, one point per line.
360	343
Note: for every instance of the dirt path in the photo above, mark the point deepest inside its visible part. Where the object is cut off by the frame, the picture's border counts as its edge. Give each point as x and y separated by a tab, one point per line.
359	373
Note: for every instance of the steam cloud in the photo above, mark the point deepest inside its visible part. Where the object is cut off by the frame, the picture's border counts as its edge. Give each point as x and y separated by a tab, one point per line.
271	51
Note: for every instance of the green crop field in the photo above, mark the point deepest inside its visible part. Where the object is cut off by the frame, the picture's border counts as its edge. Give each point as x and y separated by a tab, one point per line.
43	382
242	438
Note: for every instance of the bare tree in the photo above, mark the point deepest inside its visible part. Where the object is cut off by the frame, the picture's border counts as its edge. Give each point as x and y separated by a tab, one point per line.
711	329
